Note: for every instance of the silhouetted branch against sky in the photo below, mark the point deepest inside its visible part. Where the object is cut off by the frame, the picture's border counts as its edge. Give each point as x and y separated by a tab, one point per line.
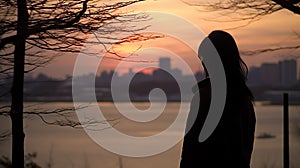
239	10
261	51
63	26
58	25
247	12
272	49
132	38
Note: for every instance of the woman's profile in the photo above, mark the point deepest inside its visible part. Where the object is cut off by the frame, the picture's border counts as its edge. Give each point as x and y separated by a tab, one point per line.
231	143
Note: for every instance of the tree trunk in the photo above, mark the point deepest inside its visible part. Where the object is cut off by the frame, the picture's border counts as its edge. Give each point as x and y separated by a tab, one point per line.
17	87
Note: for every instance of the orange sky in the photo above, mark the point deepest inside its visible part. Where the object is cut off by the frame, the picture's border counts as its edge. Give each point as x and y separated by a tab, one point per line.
271	31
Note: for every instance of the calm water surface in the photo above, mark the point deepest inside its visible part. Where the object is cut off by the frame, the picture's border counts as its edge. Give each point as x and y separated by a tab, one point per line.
69	147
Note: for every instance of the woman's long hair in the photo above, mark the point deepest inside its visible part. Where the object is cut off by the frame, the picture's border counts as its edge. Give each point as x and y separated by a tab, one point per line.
236	70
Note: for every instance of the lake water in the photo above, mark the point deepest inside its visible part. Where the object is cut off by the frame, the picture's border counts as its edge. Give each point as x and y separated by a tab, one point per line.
69	147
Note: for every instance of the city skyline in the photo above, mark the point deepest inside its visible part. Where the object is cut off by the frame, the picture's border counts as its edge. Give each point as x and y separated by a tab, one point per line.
178	69
283	73
261	80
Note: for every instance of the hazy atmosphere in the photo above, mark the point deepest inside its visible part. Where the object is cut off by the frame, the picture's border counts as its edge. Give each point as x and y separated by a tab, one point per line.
129	84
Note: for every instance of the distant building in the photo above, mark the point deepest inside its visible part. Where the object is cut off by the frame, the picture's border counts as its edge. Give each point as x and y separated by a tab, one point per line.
270	74
288	72
176	73
165	63
130	72
254	76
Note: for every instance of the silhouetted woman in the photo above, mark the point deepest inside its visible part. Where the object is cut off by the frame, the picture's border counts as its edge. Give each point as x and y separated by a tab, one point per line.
231	143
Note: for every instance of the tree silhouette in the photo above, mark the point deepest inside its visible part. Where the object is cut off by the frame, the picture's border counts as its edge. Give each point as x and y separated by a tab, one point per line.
250	11
29	27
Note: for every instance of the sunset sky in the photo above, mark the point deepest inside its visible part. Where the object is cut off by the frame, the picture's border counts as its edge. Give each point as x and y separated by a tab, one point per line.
271	31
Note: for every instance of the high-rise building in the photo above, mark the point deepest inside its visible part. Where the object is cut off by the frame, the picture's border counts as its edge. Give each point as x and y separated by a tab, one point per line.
165	63
288	72
254	76
270	74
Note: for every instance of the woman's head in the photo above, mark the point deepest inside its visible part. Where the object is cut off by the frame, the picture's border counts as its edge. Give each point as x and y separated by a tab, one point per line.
234	66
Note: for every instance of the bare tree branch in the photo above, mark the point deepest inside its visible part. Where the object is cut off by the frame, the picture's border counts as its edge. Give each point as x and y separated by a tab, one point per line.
241	10
66	23
249	11
64	26
291	5
4	135
256	52
59	117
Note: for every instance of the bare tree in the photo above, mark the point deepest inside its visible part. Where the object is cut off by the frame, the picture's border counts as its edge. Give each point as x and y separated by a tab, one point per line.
56	25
